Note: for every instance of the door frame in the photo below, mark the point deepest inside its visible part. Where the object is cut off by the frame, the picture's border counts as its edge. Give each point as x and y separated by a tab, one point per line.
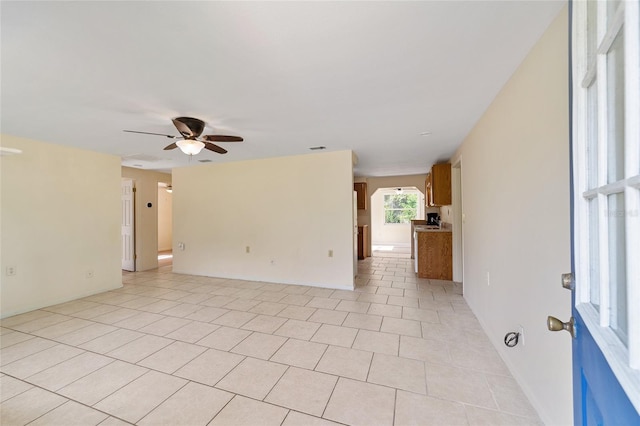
458	221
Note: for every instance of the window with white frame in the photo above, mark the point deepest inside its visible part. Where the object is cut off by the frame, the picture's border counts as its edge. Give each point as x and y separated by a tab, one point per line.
400	207
606	124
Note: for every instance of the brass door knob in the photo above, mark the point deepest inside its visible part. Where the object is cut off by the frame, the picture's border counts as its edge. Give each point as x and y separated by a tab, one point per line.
554	324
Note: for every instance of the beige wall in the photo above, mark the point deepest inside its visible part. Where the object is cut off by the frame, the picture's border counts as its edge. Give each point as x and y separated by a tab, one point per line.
60	223
165	220
290	211
146	184
515	186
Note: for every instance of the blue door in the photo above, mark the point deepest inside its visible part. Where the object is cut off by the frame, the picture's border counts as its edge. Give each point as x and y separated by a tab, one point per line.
605	191
598	397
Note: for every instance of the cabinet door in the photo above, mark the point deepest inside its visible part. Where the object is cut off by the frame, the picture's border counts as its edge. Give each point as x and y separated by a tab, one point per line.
441	185
435	255
361	191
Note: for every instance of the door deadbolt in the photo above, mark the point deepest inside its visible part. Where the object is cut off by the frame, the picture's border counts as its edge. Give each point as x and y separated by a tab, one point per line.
568	281
554	324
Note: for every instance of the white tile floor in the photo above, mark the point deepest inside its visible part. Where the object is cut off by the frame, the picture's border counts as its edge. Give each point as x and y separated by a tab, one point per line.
185	350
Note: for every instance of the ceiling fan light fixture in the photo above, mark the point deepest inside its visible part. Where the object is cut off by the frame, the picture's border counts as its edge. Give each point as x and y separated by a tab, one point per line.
190	146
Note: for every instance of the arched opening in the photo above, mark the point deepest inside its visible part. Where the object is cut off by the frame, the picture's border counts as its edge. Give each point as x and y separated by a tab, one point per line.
392	210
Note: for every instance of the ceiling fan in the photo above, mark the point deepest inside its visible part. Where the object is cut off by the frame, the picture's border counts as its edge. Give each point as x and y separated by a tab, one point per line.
190	130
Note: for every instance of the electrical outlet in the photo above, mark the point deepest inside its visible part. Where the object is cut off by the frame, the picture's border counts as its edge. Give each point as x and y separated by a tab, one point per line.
247	250
11	270
89	273
488	279
330	253
181	246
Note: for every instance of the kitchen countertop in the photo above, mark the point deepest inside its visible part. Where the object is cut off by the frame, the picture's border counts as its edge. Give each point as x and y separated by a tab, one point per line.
425	228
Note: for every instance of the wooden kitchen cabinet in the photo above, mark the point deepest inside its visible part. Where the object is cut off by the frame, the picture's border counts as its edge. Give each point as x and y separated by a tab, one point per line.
363	241
427	190
361	193
438	186
435	259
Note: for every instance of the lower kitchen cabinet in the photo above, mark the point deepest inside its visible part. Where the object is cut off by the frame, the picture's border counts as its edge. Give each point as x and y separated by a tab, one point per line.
435	259
363	241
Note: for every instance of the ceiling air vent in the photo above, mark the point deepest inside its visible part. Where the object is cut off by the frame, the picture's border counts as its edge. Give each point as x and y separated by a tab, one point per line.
205	161
142	157
317	148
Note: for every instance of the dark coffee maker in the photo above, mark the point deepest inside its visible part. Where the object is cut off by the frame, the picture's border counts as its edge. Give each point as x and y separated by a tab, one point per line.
433	219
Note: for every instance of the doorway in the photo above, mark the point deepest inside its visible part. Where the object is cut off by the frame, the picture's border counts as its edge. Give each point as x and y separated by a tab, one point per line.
165	219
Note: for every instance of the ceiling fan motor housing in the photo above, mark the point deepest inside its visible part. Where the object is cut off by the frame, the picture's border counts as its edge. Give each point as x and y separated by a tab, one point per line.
194	126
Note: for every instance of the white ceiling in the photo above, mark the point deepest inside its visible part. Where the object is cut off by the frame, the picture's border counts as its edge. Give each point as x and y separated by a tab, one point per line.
366	76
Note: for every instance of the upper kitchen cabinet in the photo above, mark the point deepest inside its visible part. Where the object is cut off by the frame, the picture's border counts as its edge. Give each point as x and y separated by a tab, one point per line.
438	186
427	190
361	191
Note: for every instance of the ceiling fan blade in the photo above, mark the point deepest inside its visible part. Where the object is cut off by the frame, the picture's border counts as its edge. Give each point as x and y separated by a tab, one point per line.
188	126
215	148
222	138
170	146
149	133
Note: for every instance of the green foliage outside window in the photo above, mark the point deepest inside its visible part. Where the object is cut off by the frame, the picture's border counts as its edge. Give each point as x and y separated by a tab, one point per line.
400	208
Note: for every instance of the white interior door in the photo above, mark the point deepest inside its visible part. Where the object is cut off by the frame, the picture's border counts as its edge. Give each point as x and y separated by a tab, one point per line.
128	222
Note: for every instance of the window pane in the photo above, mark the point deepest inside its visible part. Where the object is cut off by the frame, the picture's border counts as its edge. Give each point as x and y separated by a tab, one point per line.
399	215
617	265
594	254
400	208
592	135
591	30
615	107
